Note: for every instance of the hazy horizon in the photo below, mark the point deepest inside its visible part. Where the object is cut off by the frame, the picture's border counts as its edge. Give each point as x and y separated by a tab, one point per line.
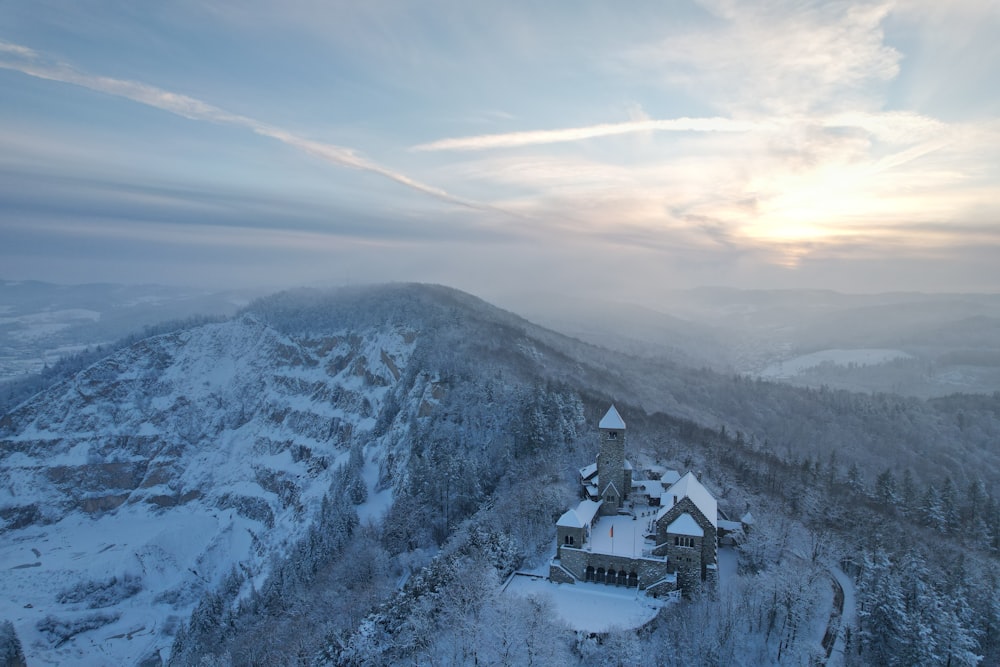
573	149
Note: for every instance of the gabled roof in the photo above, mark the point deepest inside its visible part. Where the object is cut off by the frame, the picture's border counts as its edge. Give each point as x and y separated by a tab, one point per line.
685	525
688	486
669	477
587	472
612	420
747	519
581	516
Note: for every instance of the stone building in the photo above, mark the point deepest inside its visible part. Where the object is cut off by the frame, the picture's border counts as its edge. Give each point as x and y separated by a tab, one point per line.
658	534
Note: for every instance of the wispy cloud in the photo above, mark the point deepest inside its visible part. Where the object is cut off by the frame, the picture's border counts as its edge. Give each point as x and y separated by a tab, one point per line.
32	63
777	56
536	137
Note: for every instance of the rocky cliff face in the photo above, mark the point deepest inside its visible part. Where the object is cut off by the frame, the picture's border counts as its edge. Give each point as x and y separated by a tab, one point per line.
179	458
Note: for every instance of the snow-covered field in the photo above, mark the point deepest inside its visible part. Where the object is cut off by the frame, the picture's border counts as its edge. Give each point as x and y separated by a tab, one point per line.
590	607
69	567
838	357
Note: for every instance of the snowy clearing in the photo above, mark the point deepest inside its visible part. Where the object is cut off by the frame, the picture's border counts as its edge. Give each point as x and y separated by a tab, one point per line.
590	607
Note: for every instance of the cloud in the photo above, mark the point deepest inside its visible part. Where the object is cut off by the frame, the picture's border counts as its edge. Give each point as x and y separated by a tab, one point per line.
30	62
776	56
18	50
536	137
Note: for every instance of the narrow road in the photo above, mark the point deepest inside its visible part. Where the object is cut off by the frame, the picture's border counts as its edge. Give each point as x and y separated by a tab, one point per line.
843	618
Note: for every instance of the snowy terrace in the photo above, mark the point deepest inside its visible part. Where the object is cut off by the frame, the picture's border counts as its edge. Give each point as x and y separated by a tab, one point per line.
624	535
589	607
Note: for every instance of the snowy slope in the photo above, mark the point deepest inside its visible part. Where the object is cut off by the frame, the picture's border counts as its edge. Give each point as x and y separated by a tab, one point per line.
129	490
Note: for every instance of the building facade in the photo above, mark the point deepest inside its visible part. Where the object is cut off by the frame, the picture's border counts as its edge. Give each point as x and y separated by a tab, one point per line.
658	534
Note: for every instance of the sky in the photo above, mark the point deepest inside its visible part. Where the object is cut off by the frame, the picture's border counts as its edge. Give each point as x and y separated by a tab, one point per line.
588	148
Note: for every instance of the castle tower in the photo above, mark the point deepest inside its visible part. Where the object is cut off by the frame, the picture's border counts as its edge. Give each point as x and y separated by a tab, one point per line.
613	481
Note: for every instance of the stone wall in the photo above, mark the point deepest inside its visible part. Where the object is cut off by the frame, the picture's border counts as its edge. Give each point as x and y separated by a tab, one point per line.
611	468
575	561
562	532
558	575
709	546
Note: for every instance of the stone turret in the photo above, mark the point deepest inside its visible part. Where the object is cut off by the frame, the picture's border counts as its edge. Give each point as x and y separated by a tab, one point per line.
613	478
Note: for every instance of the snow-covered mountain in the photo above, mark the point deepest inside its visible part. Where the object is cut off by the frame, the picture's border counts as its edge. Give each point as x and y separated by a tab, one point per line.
143	481
140	484
147	477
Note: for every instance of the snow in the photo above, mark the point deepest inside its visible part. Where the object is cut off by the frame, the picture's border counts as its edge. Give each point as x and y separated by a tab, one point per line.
649	487
847	619
570	519
728	560
670	477
612	420
685	525
590	607
38	325
180	551
581	516
729	525
838	357
628	539
689	487
177	551
588	471
379	501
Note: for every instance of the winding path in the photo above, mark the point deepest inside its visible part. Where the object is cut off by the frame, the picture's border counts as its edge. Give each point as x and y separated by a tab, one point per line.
842	620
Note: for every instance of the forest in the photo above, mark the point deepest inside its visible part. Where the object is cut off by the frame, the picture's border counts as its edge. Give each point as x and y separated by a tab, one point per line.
898	493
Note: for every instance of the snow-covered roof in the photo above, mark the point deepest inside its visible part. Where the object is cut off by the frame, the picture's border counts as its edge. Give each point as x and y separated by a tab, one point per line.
729	525
587	472
628	465
688	486
747	519
569	519
581	516
685	525
612	420
649	487
669	477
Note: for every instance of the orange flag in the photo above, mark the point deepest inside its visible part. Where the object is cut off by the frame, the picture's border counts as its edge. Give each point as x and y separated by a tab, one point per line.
612	531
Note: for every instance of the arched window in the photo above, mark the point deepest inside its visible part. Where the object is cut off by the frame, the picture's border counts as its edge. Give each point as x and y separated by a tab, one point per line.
633	580
600	575
590	573
622	578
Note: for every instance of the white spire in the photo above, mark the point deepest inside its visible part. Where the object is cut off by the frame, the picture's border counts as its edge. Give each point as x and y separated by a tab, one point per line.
612	420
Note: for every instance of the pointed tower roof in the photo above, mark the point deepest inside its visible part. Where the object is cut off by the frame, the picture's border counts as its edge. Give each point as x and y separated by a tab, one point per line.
612	420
